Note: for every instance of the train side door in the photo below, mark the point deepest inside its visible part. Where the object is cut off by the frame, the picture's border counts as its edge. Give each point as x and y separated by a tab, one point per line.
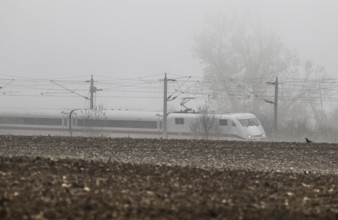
159	127
65	123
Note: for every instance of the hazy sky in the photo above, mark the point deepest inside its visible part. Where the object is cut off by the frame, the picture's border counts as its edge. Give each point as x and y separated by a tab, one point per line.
72	39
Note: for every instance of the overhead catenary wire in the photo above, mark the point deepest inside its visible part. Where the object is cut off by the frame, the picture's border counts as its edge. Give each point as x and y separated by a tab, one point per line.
150	88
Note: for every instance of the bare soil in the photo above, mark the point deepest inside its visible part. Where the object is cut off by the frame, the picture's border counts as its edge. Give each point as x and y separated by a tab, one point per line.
103	178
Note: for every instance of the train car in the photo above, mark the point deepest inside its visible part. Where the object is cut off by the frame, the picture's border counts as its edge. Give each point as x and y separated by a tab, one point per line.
229	126
33	123
134	124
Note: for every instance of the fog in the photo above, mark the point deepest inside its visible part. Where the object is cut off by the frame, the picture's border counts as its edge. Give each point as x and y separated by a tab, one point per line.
49	49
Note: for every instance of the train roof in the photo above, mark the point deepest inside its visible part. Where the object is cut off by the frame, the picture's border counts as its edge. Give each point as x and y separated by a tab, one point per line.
121	114
221	115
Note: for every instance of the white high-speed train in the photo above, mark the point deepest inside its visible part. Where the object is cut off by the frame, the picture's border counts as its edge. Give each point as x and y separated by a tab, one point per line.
134	124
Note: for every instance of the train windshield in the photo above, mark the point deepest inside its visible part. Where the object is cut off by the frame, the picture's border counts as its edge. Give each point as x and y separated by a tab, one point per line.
249	122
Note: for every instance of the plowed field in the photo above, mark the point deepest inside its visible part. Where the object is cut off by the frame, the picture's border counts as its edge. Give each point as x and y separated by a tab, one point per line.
102	178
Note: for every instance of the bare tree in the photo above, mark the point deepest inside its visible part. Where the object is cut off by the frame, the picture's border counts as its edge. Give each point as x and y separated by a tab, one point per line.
233	48
302	99
206	124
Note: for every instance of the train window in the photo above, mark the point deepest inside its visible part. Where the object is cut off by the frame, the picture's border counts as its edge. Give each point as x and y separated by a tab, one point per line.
31	121
42	121
223	122
249	122
117	123
233	124
179	121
